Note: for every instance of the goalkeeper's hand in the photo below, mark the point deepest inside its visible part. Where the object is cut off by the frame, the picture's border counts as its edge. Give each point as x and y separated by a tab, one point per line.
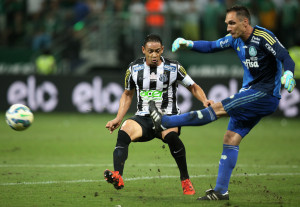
288	81
183	43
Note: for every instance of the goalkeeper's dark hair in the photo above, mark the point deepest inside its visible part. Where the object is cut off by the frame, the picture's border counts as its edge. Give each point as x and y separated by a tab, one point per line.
241	11
152	38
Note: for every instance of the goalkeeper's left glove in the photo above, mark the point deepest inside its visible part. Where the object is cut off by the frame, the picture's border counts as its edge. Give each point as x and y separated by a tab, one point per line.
288	81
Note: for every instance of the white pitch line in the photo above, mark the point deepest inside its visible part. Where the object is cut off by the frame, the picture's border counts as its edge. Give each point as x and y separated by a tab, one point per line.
147	178
132	165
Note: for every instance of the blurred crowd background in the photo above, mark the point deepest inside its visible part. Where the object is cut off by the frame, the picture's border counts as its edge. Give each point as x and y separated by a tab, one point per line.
73	36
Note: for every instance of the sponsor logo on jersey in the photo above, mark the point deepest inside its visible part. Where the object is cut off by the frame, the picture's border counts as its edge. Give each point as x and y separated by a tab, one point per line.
163	78
270	49
252	51
148	95
255	39
251	64
138	68
224	43
170	68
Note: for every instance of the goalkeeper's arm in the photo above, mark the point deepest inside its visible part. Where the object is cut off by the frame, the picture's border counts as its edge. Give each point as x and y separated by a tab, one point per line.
199	46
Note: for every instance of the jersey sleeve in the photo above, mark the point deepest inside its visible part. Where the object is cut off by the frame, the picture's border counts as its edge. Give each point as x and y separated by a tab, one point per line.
129	84
213	46
272	46
183	77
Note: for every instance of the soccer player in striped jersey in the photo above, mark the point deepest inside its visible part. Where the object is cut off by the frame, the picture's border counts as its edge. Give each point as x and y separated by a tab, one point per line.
156	78
262	56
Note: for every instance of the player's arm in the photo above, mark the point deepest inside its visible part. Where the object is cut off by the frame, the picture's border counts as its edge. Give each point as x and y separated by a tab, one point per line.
288	76
201	45
282	54
125	102
124	105
199	94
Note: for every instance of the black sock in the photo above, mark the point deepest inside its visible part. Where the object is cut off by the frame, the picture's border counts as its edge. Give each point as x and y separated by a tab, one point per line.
177	150
121	151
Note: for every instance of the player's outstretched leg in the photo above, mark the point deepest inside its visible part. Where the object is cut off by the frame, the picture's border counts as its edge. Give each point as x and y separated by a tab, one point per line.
193	118
114	178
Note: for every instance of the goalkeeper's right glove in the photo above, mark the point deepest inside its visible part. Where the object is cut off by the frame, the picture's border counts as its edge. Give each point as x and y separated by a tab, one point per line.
288	81
180	42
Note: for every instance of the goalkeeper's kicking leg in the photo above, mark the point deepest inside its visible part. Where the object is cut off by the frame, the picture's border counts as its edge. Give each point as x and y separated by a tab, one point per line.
245	110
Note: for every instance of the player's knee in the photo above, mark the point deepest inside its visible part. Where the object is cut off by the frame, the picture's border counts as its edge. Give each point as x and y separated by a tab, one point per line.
219	109
232	138
132	128
123	139
171	137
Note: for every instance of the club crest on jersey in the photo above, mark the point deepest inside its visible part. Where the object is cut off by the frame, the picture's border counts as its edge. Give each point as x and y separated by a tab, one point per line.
163	78
138	68
170	68
252	51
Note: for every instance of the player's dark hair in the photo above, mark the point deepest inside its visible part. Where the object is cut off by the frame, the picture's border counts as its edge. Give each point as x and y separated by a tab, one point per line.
241	11
152	38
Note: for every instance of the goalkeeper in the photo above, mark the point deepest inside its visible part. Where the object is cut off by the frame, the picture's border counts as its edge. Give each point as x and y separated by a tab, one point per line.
262	56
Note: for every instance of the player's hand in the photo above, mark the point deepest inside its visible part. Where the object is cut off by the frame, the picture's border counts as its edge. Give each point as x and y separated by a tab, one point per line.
208	103
183	43
112	125
288	81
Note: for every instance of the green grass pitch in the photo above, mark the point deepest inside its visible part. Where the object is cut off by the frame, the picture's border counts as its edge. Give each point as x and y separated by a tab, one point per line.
60	159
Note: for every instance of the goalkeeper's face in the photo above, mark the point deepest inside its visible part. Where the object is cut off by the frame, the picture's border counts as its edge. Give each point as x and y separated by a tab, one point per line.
236	26
153	52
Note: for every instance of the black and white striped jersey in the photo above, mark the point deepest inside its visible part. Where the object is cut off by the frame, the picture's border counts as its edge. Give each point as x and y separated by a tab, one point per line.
156	83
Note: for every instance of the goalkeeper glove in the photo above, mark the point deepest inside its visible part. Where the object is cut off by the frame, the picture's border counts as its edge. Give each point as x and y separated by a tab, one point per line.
288	81
180	42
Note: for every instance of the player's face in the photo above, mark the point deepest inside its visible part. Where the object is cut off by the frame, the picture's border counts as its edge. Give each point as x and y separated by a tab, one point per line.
235	26
152	52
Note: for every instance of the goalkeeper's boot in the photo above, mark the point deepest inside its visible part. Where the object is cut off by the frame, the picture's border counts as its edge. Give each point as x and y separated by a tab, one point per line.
114	178
187	187
156	117
211	194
